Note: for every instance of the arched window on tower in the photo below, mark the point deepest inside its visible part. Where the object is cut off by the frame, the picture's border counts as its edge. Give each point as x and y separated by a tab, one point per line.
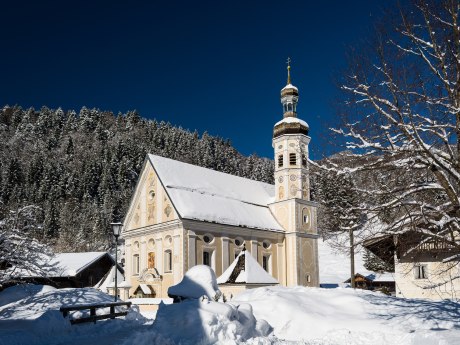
289	106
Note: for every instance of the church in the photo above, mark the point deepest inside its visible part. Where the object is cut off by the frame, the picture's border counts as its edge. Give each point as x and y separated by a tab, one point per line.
182	215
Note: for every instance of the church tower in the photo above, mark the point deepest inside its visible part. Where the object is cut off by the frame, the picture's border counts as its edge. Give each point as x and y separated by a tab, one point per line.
292	206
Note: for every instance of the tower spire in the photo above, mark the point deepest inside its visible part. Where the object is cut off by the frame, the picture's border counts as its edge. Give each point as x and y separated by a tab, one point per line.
288	70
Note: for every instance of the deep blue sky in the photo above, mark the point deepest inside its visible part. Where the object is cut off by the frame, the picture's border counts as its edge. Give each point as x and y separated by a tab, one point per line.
206	65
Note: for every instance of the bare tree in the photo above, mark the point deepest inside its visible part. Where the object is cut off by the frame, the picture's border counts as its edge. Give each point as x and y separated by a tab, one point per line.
405	100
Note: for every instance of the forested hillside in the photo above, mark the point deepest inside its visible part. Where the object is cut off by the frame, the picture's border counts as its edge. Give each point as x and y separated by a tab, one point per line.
80	168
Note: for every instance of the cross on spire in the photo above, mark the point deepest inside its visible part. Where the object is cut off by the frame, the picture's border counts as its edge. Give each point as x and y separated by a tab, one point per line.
289	70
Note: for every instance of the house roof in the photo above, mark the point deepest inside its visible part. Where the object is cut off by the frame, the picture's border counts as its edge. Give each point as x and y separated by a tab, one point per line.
108	280
70	264
245	270
145	289
208	195
62	265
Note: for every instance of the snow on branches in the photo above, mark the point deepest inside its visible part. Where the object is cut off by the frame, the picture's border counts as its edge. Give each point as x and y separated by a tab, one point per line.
20	253
406	97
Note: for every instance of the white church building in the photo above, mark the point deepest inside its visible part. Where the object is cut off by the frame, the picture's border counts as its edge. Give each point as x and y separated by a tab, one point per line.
182	215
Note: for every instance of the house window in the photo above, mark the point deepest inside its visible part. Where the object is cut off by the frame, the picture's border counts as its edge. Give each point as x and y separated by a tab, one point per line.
151	261
266	262
168	261
280	161
292	159
420	272
136	264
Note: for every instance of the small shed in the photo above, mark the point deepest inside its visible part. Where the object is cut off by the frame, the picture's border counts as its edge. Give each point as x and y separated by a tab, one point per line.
375	281
72	270
244	273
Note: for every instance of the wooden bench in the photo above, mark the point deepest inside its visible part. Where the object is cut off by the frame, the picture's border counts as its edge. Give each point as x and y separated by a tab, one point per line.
92	311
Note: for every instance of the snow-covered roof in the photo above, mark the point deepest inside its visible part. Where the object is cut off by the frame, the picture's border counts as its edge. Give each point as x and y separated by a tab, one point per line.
70	264
381	277
245	269
108	280
291	119
289	86
208	195
145	289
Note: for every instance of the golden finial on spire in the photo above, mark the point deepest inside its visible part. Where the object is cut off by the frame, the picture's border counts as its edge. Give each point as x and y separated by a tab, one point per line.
289	70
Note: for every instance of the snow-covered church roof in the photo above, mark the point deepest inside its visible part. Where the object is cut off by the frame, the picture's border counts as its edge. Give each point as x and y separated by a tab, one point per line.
208	195
245	270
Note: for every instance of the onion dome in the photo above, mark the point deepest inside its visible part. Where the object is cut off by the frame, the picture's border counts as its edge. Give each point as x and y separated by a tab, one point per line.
289	99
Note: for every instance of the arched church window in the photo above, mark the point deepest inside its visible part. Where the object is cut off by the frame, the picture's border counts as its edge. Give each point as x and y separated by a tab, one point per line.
168	261
292	159
280	161
266	263
136	264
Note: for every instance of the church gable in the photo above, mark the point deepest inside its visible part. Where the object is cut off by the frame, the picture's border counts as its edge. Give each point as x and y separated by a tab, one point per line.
150	204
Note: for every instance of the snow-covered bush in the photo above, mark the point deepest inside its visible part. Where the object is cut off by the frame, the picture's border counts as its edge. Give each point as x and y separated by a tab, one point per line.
20	253
198	281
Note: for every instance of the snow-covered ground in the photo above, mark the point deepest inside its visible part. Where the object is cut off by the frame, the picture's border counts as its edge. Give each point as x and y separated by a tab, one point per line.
275	315
29	314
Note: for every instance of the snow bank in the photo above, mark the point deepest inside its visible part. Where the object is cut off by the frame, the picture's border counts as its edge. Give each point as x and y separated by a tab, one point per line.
18	292
346	316
269	315
202	322
198	281
36	319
